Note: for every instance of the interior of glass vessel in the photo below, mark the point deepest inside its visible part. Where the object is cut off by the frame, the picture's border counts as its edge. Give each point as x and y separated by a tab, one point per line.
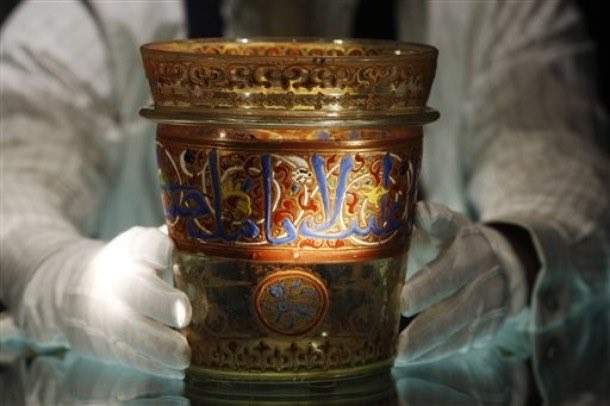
291	48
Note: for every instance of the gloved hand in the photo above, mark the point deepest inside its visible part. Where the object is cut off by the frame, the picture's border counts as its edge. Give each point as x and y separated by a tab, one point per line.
464	278
110	302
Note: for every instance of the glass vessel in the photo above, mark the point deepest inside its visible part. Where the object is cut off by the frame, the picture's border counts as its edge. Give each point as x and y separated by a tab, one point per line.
288	172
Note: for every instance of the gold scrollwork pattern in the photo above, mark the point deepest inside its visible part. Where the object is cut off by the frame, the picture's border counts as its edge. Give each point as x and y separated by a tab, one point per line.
318	83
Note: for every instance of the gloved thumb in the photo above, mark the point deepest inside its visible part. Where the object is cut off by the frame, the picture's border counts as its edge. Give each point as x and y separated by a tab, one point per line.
434	225
439	222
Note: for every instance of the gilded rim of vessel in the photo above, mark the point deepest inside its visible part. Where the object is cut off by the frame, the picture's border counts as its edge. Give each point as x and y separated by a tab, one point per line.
292	119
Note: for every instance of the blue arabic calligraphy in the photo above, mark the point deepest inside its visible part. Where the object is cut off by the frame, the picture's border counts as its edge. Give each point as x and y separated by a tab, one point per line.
193	204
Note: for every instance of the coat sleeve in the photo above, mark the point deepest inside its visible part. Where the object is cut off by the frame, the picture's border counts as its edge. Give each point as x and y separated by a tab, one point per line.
65	74
534	143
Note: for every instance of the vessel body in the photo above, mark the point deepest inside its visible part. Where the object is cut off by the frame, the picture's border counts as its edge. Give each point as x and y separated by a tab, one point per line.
288	173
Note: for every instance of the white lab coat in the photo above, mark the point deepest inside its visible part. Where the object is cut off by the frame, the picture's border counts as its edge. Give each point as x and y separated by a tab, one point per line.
518	140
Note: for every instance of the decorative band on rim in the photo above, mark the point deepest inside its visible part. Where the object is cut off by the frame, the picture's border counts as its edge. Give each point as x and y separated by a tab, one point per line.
287	75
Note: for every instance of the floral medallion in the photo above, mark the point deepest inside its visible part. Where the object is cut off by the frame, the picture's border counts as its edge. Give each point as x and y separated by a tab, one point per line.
291	302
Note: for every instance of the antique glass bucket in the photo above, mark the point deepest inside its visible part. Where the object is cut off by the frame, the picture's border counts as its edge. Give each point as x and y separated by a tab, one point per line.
288	170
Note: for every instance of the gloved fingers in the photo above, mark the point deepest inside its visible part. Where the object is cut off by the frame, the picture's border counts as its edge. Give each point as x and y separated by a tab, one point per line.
148	245
434	226
153	340
467	256
147	294
113	320
468	309
422	250
438	221
96	344
137	250
468	337
127	355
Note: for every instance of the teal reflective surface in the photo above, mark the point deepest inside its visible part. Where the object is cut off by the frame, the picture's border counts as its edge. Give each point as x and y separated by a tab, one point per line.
568	363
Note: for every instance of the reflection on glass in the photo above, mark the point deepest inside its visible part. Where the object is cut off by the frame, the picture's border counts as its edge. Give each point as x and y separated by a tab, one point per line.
65	378
569	363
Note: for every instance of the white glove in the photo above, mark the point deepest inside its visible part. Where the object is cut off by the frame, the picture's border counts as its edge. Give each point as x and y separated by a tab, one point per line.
467	280
109	302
